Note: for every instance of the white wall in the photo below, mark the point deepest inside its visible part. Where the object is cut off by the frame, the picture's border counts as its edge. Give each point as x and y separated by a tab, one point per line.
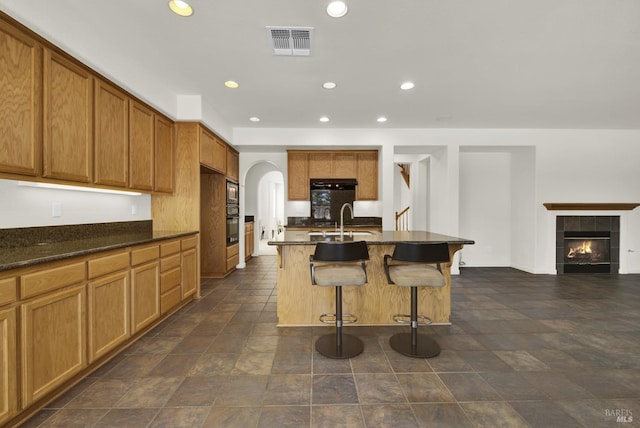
24	206
485	207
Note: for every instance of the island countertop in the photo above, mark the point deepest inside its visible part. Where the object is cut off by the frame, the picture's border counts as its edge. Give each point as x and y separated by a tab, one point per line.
386	237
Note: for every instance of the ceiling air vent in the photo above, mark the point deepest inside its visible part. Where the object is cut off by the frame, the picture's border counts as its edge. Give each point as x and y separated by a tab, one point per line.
291	41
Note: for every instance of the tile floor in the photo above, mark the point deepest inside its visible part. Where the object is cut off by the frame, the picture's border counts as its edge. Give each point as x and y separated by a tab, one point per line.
522	350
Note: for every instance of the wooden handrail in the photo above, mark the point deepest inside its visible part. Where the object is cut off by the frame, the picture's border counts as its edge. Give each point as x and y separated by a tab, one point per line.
402	219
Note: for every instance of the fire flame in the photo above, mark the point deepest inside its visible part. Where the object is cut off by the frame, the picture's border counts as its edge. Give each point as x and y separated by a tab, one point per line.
584	248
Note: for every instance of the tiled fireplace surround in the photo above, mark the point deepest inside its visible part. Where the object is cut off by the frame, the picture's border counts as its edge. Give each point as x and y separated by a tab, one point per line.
591	223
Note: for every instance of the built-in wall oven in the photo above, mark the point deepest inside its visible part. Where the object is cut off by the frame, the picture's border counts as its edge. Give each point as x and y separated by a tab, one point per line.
233	213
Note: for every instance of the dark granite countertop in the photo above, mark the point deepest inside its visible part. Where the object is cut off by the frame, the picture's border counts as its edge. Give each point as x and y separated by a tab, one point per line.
42	252
386	237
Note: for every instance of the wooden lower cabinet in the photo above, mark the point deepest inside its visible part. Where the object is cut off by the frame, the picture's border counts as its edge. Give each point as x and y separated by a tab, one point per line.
189	272
233	257
8	364
109	314
145	295
249	240
53	341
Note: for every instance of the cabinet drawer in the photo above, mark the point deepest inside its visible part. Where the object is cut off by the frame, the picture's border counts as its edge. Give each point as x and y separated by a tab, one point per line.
169	263
8	290
232	262
45	280
233	250
169	279
143	255
169	248
189	243
108	264
170	300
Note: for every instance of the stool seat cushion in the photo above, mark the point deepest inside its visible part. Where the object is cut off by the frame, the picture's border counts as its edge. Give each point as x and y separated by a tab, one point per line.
416	275
339	275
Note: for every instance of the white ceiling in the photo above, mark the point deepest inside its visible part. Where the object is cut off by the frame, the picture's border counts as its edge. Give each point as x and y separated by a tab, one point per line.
475	63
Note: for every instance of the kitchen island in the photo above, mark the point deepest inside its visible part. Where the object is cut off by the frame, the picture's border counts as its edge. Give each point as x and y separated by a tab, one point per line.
300	303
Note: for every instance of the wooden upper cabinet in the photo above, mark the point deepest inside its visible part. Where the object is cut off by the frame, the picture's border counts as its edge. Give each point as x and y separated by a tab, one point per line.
298	176
319	165
111	135
367	188
359	164
20	102
141	146
68	122
233	166
164	164
213	152
344	165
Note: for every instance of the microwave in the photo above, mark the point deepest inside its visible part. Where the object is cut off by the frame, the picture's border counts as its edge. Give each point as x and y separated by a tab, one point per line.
232	193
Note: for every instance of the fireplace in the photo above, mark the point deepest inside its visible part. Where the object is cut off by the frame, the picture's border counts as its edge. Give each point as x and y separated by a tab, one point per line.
587	252
587	244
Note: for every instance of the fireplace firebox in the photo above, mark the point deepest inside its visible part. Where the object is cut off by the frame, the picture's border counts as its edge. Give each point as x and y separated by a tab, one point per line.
587	252
587	244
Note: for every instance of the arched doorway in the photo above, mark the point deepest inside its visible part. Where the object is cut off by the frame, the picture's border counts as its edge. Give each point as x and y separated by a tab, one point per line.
264	200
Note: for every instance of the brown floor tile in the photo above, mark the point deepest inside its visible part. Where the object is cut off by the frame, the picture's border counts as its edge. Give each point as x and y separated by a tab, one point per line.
118	418
336	416
288	389
379	388
196	391
285	416
333	389
442	415
493	415
191	417
424	388
389	415
469	387
242	391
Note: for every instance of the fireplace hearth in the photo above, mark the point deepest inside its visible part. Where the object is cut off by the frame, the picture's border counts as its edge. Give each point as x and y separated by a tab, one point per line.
587	244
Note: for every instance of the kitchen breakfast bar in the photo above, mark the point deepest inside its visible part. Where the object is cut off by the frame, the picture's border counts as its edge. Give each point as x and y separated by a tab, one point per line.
300	303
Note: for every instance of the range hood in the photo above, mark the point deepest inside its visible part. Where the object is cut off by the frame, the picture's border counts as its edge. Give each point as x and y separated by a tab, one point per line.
334	183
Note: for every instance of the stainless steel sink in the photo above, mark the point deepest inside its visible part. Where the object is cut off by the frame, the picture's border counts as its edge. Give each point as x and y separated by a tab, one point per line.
346	233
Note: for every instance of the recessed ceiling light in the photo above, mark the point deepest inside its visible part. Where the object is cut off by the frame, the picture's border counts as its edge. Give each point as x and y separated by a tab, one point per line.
337	9
254	119
381	119
324	119
407	85
231	84
180	7
329	85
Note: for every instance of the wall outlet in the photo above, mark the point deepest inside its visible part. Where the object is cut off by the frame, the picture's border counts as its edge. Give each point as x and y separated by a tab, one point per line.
56	209
134	209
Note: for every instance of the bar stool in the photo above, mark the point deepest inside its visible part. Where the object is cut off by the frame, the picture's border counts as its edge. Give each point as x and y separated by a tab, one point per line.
411	265
338	264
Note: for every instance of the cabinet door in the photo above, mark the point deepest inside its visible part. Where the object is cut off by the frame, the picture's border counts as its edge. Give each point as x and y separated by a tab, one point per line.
367	188
298	176
111	164
320	166
344	165
109	315
20	102
145	295
141	146
164	166
8	364
68	123
53	340
189	272
233	170
213	152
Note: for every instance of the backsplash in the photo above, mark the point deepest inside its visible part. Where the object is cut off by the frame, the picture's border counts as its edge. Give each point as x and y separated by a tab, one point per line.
27	236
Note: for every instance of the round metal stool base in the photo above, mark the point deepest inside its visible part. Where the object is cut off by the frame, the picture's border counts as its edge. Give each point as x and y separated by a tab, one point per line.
351	346
425	347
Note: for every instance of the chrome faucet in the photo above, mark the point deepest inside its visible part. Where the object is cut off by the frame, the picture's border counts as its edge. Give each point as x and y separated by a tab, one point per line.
347	204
